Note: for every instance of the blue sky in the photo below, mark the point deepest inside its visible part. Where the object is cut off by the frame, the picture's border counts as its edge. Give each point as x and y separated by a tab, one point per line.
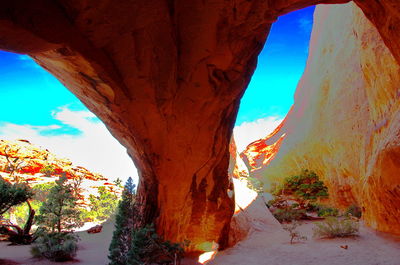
38	107
280	66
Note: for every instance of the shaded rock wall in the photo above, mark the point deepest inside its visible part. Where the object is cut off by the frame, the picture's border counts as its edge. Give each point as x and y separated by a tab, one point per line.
345	122
166	77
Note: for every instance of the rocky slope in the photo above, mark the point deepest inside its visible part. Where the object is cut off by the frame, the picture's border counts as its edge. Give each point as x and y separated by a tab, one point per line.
36	165
345	122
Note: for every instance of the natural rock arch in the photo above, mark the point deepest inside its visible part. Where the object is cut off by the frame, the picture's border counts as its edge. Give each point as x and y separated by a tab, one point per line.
166	77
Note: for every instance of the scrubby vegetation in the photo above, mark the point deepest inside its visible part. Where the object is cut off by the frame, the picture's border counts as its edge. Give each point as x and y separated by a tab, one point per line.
336	227
288	214
294	234
305	188
354	211
101	206
136	244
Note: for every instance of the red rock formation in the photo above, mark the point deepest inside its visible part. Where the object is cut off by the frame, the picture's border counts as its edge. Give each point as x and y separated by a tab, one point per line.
166	78
34	161
345	122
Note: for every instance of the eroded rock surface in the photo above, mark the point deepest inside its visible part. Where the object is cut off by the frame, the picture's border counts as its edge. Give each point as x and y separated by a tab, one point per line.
345	122
166	77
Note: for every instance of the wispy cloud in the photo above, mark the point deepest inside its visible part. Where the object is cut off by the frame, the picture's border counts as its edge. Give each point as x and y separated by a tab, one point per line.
248	132
94	148
305	24
28	62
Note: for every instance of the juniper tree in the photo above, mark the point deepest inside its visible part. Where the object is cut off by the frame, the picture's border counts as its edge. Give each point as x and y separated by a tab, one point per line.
12	195
121	240
59	212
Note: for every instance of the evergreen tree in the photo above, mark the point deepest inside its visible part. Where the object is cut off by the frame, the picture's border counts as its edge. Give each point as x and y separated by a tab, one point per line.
59	213
12	194
121	240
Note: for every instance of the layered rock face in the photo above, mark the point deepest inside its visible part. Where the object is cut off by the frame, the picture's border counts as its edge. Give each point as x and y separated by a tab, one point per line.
24	162
345	122
166	77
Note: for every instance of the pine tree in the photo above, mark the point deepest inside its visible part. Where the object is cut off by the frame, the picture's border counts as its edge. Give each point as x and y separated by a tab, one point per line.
59	213
121	240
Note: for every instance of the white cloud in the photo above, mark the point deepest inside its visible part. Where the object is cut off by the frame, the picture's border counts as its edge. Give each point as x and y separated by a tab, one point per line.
305	24
94	148
249	132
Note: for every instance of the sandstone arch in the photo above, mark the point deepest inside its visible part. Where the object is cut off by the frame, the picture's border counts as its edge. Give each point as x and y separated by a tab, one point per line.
166	77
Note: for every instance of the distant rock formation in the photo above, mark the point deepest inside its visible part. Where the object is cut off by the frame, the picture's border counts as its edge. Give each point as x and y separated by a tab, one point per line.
36	165
345	122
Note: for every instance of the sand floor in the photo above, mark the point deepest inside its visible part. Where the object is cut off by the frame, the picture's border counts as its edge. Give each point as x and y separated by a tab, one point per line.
262	247
273	248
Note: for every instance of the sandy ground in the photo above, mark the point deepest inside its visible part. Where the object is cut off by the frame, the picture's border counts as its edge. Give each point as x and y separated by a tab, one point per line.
269	246
273	248
93	249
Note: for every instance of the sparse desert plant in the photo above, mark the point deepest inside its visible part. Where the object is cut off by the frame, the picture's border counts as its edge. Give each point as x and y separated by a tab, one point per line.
288	214
48	170
325	211
294	234
148	248
354	211
255	184
336	227
56	246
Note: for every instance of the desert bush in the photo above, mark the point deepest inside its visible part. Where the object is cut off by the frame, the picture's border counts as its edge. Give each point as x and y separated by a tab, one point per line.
48	170
294	234
148	248
101	206
55	246
324	211
305	187
354	210
336	227
255	184
288	214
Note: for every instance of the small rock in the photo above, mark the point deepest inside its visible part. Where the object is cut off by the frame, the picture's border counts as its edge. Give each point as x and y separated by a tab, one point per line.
95	229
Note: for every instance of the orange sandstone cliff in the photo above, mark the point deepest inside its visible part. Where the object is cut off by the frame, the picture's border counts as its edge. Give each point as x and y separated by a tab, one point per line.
36	165
345	122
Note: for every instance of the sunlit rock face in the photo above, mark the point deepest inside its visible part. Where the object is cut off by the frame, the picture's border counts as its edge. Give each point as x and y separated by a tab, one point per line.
345	122
24	162
166	77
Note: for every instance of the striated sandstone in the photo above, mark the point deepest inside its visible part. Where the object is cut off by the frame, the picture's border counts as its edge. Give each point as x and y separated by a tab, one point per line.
345	122
166	77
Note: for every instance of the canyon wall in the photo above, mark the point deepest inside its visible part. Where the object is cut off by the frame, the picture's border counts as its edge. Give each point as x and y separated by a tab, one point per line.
345	122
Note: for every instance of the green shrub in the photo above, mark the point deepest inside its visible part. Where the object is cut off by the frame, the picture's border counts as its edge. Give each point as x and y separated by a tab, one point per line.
354	210
336	227
306	187
255	184
294	234
324	211
55	246
102	206
148	248
288	214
